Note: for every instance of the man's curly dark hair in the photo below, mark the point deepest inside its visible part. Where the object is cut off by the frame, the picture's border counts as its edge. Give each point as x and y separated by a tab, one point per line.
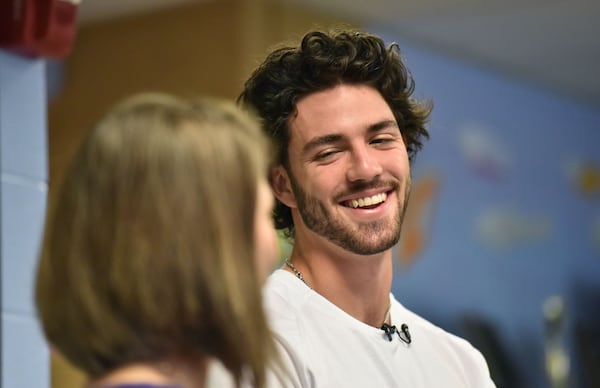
322	61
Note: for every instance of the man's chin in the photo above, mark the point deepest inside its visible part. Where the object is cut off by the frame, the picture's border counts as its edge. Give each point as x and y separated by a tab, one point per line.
367	248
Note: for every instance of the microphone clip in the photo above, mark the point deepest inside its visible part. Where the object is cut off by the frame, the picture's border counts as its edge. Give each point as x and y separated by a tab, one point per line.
403	333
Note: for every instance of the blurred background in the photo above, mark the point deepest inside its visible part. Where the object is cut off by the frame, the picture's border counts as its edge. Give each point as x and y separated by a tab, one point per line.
501	244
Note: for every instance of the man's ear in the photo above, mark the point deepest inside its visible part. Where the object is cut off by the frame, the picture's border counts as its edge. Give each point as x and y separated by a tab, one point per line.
282	187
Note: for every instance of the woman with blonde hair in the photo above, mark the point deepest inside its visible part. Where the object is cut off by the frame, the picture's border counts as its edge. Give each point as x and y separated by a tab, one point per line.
157	244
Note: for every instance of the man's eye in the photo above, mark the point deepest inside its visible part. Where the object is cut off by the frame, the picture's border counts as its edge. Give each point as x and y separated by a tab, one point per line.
325	154
383	140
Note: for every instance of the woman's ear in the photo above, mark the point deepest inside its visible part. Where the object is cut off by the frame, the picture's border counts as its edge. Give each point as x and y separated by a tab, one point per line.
282	188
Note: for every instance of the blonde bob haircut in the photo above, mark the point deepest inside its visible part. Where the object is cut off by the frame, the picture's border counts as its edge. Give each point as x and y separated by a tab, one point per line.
148	252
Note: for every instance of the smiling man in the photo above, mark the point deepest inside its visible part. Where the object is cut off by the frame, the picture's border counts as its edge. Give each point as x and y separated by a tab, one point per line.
345	126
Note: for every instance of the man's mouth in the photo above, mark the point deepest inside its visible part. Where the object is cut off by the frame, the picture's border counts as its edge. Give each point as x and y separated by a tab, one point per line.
366	202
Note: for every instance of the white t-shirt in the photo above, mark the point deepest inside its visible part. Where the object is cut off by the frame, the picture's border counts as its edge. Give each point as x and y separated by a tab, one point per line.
325	347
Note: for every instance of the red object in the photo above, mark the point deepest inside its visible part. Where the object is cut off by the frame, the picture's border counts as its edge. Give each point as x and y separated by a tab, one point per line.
38	28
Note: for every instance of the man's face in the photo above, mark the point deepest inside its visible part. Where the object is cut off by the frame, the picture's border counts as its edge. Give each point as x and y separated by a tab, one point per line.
349	172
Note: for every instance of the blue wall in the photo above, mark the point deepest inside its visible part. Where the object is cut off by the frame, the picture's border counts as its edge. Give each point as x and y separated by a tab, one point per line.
23	152
516	218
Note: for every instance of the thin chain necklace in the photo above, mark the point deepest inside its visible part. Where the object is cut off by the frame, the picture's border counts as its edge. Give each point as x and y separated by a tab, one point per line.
297	273
299	276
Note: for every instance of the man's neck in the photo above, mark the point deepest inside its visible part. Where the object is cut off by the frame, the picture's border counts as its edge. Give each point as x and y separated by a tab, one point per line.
358	284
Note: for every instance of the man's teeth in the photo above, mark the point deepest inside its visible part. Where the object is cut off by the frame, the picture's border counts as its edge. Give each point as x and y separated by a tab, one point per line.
368	201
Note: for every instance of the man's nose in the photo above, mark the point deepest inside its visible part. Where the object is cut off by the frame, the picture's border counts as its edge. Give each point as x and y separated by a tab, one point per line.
364	165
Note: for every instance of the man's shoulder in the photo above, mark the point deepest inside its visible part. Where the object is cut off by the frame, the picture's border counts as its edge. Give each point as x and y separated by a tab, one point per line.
283	284
285	297
434	339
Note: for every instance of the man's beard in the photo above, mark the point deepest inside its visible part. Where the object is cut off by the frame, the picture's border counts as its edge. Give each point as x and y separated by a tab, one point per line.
365	238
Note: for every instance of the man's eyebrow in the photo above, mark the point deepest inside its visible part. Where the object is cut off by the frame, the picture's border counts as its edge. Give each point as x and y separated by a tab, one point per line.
319	141
383	125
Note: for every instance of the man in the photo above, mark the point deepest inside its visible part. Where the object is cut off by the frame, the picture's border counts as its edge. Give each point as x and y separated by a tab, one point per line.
340	111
